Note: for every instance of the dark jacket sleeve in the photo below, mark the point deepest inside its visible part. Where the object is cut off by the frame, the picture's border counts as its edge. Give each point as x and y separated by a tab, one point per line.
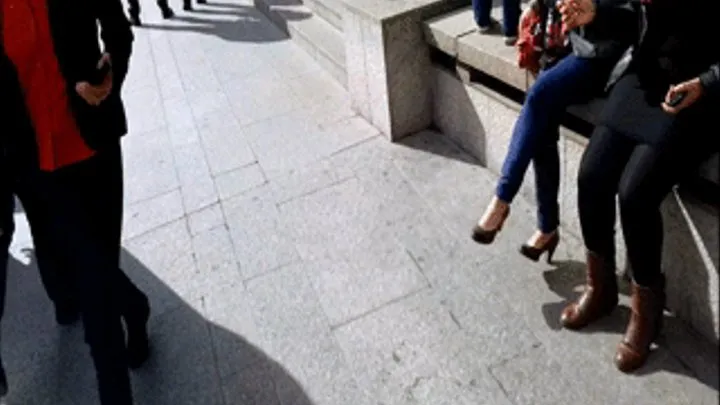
610	4
606	11
117	37
711	80
612	31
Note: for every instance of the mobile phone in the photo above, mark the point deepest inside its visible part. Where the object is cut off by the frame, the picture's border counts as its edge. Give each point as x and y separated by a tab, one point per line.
100	74
677	99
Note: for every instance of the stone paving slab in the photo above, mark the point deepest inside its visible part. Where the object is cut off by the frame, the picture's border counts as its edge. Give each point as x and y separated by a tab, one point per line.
295	257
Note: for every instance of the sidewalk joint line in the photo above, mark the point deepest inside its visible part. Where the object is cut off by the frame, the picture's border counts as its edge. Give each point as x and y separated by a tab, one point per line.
380	307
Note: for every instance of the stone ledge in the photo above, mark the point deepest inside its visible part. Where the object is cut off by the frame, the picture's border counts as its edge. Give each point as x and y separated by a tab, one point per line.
328	10
387	10
456	34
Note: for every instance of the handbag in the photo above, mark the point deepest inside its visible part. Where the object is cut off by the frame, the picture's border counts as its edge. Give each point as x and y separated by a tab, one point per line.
542	41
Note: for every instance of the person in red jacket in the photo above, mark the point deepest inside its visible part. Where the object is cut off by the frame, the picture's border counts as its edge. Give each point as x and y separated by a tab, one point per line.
63	119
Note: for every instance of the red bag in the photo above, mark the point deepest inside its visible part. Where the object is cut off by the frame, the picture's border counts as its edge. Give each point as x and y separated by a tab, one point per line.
529	44
541	40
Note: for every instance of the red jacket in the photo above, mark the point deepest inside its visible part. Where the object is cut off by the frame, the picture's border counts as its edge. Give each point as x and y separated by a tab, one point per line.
29	44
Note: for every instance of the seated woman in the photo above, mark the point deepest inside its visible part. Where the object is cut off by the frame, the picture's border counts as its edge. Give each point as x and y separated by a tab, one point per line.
578	77
660	124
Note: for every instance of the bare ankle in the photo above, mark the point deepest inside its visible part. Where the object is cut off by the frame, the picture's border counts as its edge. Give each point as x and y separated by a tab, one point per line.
540	238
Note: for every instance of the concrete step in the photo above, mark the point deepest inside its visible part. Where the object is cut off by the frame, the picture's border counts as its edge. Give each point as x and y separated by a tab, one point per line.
322	40
328	10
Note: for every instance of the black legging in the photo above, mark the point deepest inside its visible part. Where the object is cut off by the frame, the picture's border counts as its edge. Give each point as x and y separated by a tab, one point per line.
134	6
641	175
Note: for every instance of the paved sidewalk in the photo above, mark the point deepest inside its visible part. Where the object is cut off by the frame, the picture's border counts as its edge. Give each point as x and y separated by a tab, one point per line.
295	257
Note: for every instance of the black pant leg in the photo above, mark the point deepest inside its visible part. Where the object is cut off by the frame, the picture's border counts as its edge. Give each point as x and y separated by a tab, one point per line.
163	4
54	271
134	8
87	213
601	167
7	226
650	175
108	214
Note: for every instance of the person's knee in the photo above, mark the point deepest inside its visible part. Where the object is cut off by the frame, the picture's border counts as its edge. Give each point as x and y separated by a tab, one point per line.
546	96
539	94
594	175
633	201
590	178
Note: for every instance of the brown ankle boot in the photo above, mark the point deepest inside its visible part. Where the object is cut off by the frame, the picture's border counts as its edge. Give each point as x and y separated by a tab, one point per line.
644	326
599	298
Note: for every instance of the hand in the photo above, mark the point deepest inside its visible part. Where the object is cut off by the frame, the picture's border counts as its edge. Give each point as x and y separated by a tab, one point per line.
576	13
96	94
693	90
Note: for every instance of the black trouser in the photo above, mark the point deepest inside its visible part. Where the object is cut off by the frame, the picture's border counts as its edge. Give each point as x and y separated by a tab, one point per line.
641	175
134	6
54	270
53	274
84	204
7	226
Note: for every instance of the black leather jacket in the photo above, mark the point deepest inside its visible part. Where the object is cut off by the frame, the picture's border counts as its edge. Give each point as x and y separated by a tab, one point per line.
75	25
612	32
696	21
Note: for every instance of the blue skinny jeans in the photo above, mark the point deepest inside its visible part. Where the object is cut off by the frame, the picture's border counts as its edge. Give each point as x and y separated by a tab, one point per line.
511	15
571	81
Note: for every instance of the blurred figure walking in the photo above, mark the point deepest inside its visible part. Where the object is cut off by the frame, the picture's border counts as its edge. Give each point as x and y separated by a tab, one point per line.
63	119
134	11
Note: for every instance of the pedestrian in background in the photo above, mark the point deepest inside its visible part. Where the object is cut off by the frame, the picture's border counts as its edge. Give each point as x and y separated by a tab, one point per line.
165	9
511	18
134	11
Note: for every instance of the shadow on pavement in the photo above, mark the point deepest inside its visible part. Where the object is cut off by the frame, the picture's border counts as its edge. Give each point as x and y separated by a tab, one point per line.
194	361
430	145
231	22
689	355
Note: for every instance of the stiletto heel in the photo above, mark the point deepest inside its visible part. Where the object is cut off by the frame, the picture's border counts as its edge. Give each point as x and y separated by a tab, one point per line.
485	236
533	253
551	252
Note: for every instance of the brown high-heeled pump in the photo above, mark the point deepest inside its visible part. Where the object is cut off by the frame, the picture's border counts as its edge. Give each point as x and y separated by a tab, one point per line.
487	236
533	253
